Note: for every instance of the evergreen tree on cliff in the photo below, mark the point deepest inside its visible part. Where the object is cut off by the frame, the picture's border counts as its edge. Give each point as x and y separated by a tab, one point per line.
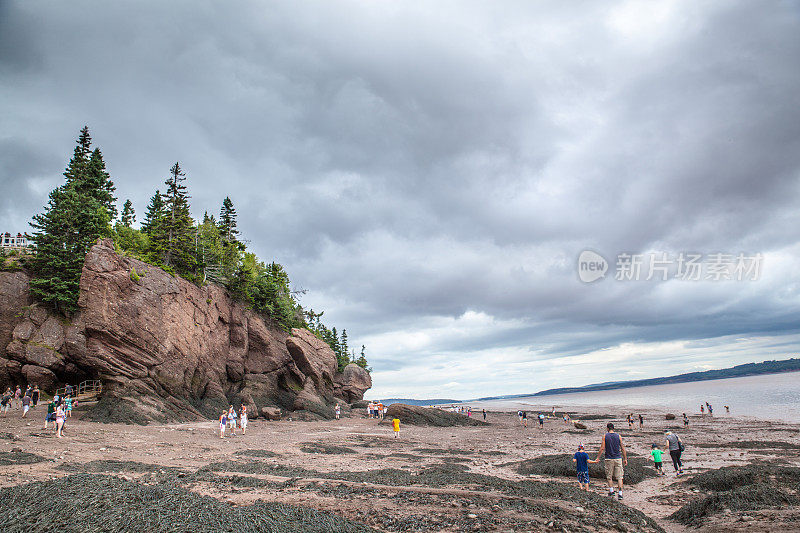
154	213
128	216
77	214
176	233
227	221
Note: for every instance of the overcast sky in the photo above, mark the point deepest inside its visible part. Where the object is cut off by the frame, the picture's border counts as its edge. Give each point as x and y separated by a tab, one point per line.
430	171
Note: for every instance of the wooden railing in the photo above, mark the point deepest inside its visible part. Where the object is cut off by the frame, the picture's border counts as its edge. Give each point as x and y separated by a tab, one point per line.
88	390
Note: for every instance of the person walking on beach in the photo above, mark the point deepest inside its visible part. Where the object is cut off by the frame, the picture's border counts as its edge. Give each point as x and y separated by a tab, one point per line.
35	396
728	409
396	427
525	418
17	396
223	423
616	458
60	418
581	460
5	403
675	447
337	411
656	452
541	420
630	421
51	414
243	418
710	410
685	420
232	421
641	422
26	404
702	409
484	414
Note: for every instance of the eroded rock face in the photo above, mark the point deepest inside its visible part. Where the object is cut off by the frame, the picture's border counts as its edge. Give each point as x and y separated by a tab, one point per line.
164	348
352	383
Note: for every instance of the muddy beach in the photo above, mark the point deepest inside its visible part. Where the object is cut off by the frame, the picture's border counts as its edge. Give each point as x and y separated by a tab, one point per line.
352	475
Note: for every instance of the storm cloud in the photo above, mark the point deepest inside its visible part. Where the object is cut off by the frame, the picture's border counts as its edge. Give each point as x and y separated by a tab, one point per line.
430	171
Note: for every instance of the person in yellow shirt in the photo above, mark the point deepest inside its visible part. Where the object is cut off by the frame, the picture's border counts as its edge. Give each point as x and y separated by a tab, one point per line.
396	427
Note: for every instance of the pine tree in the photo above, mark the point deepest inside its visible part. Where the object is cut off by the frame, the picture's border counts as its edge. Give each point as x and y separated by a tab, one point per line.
343	356
97	183
154	213
227	221
128	216
362	359
77	214
178	227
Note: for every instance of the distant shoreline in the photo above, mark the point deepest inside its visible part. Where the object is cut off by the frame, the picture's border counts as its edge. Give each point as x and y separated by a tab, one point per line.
745	370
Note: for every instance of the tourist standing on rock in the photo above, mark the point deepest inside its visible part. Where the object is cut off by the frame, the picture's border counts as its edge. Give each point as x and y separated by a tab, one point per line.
35	396
616	458
675	449
26	404
243	419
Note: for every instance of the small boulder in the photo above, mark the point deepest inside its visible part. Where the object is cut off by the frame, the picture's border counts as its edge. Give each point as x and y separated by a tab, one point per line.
271	413
670	416
578	425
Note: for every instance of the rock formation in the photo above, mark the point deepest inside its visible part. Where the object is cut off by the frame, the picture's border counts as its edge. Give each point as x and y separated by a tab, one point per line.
166	349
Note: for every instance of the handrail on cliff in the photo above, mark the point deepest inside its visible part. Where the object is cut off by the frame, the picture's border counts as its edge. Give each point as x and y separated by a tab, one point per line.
86	390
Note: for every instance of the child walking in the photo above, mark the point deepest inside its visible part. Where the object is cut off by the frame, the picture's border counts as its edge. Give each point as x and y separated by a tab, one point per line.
223	423
396	427
581	460
656	453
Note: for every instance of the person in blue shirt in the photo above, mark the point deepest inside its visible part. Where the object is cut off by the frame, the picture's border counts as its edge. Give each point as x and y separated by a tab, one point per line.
581	460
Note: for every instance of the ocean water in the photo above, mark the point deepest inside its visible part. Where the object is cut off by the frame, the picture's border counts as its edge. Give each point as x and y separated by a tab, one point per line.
768	396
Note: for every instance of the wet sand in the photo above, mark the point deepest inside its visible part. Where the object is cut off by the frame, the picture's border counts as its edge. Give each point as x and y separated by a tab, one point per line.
286	461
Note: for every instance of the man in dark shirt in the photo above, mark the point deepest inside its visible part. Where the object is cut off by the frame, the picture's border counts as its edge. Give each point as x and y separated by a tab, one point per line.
616	458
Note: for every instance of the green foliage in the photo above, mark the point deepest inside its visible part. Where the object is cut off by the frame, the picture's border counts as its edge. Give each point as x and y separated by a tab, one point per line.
128	216
176	235
227	221
77	214
338	343
81	211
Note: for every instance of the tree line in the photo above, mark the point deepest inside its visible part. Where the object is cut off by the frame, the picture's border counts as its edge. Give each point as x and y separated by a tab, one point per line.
83	209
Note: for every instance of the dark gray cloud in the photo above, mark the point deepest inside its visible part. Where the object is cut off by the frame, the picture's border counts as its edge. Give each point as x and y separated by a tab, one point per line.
430	172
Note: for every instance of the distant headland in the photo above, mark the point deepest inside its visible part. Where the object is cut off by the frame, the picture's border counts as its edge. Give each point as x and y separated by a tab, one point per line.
748	369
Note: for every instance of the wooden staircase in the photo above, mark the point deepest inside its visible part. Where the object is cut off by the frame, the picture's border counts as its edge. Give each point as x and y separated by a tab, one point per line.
88	391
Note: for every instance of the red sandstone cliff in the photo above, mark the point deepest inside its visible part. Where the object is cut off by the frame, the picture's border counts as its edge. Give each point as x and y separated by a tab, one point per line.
166	349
